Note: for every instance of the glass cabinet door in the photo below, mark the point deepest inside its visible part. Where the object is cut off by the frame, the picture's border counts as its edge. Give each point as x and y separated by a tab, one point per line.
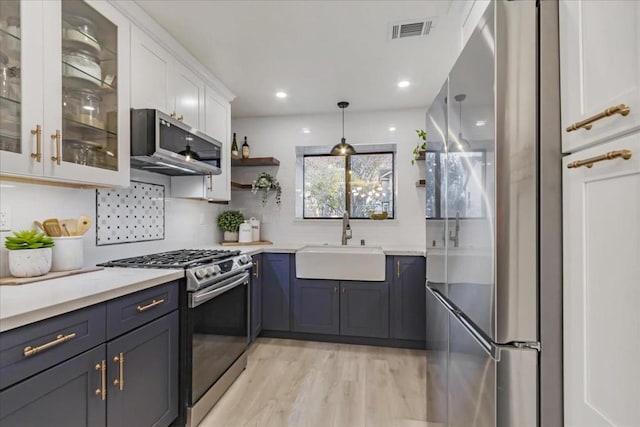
89	88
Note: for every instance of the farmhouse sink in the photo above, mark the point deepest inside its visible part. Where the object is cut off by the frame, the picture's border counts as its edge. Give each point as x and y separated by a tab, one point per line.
365	263
463	266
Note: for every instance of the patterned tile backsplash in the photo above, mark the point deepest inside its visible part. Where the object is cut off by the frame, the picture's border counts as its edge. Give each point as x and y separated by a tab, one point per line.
132	214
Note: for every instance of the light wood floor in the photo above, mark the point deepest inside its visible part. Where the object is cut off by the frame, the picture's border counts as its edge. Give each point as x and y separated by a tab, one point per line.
291	383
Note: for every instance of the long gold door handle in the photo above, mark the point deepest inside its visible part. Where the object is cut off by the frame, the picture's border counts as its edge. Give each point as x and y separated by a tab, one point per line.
119	382
38	133
102	391
58	140
621	109
32	351
625	154
256	269
335	289
152	304
398	269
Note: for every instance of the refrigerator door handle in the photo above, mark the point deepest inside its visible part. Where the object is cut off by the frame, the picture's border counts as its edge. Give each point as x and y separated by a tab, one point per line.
487	345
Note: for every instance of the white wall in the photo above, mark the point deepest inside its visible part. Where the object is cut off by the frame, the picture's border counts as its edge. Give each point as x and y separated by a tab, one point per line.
188	223
278	137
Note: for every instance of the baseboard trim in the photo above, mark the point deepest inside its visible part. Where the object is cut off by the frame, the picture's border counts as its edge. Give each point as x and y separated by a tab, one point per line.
379	342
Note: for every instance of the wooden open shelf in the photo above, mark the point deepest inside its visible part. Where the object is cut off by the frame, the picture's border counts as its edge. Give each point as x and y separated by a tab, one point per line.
421	183
238	186
255	161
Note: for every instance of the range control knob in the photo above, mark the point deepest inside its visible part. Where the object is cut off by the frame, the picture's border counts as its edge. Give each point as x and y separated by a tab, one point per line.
211	271
201	274
243	259
216	269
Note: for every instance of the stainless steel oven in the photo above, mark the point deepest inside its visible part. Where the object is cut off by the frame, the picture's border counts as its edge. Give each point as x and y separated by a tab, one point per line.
217	335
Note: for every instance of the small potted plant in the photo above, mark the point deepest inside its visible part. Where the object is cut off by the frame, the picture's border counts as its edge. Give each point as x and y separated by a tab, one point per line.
29	253
229	222
266	183
419	146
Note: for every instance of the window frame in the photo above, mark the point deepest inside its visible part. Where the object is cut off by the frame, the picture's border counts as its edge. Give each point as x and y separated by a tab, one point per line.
347	184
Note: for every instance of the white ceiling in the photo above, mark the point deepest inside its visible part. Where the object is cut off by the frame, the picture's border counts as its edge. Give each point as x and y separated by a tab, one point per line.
319	52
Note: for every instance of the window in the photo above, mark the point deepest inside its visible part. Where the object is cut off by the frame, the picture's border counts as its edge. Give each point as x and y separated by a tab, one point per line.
360	184
465	173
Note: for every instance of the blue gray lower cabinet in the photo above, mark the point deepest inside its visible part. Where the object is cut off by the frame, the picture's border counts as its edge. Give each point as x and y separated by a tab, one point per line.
408	308
256	297
148	395
276	272
64	395
364	309
316	306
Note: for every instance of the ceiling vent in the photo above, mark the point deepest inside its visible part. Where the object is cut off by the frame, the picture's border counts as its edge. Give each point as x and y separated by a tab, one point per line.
412	28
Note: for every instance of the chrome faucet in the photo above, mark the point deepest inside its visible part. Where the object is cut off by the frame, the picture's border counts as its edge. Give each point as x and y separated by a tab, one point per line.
346	228
455	238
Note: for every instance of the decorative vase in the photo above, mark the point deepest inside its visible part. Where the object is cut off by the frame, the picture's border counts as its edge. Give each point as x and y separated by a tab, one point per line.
230	236
30	262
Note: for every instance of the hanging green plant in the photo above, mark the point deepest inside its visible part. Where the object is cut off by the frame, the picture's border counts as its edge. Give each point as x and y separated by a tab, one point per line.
419	146
266	183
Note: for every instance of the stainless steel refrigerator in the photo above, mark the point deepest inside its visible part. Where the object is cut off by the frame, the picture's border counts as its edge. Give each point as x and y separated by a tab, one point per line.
493	173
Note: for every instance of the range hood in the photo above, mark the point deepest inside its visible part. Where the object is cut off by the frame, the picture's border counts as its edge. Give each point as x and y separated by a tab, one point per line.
162	144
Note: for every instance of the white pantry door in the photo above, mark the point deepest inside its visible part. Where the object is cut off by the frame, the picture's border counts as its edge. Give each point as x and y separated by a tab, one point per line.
601	227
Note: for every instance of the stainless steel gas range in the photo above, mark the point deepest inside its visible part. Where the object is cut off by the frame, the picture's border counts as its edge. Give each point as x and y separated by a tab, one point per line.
214	318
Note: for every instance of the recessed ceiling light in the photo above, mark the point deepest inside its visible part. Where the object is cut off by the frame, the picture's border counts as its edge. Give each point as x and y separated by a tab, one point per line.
481	122
404	83
392	129
281	94
306	130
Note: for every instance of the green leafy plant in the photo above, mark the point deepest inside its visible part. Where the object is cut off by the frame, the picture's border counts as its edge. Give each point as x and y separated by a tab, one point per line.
27	239
230	221
419	146
266	183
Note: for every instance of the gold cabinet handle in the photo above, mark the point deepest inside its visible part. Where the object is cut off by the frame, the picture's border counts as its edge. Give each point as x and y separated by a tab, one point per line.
32	351
119	382
58	157
152	304
102	391
344	290
38	133
625	154
621	109
398	269
335	289
256	272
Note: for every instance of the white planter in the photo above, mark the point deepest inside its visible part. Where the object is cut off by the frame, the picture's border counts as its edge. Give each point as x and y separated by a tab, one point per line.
67	253
29	262
230	236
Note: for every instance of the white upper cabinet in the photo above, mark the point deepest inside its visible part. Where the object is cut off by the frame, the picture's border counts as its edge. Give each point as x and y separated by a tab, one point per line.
600	69
65	113
218	126
189	91
601	240
151	74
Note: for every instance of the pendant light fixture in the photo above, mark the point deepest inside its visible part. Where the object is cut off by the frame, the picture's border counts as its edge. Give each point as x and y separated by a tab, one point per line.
463	144
343	149
188	153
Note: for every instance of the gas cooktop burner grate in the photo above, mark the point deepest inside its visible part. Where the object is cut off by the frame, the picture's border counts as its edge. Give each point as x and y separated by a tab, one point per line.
184	258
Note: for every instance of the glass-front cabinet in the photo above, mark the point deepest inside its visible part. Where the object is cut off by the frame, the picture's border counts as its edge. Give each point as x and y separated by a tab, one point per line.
64	91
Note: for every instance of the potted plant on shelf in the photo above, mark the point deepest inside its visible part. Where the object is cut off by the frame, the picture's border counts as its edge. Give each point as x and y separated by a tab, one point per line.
266	183
419	146
29	253
229	222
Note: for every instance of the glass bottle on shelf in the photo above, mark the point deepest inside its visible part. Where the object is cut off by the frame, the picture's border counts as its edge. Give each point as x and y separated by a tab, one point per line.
234	146
245	149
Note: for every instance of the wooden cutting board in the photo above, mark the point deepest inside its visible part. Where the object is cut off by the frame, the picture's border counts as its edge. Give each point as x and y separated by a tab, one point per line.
256	243
12	281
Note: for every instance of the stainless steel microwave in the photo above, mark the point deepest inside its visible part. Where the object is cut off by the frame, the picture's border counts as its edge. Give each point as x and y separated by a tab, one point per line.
162	144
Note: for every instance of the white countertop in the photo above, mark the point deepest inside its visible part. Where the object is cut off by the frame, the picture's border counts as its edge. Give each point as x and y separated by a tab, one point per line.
23	304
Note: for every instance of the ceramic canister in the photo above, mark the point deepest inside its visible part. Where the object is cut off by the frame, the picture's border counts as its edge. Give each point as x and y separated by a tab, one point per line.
67	253
255	228
245	233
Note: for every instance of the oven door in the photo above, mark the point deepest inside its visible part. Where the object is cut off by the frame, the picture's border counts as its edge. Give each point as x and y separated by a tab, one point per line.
218	320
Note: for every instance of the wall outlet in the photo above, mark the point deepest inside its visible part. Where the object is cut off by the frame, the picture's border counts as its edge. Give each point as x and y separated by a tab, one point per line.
5	219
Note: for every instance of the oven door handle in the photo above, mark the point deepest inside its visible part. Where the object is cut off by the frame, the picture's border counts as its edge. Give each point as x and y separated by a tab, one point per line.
199	298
